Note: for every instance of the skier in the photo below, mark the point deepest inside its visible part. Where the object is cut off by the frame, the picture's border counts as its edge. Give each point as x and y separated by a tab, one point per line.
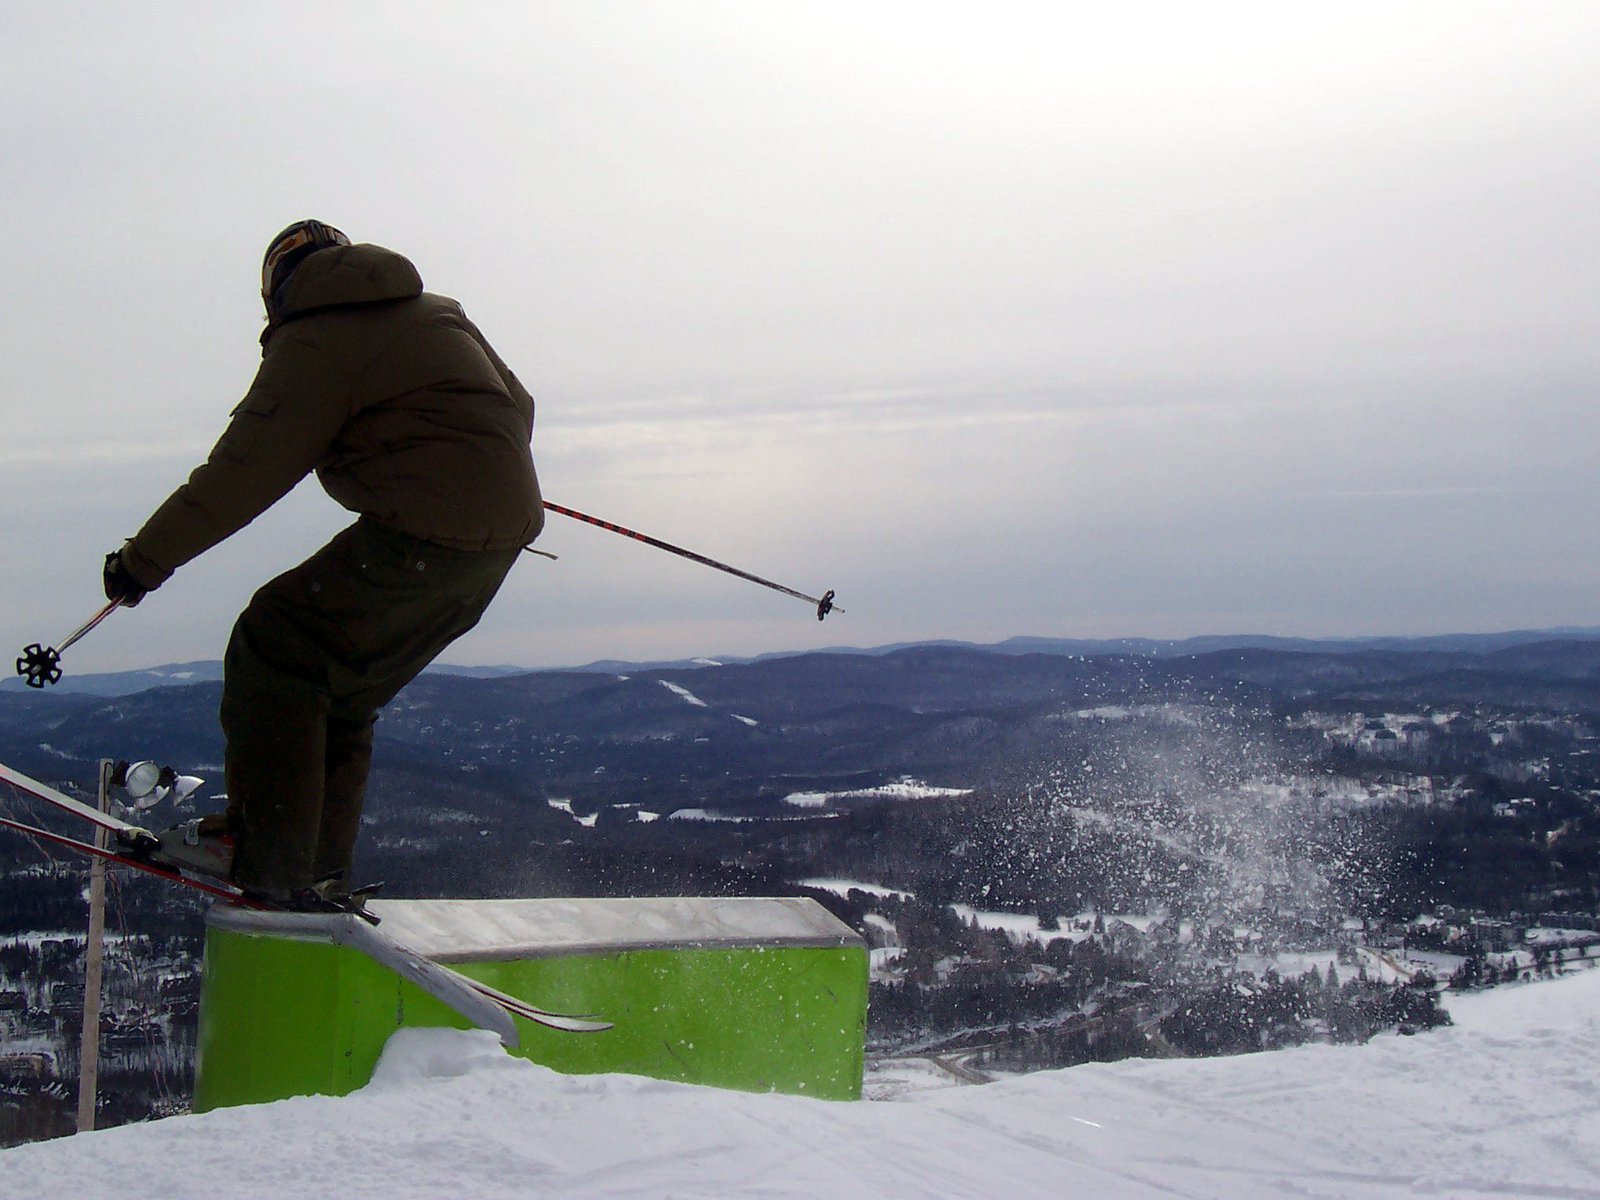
410	420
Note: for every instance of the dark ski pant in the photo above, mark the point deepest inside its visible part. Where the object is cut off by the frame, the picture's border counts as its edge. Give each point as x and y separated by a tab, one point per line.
313	657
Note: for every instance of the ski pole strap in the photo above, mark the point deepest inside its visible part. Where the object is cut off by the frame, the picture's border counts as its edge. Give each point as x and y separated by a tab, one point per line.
824	602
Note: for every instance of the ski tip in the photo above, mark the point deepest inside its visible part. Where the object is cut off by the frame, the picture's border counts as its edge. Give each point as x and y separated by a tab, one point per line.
571	1024
567	1022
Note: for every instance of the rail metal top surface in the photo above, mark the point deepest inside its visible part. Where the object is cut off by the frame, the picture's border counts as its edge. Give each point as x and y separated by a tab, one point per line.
462	930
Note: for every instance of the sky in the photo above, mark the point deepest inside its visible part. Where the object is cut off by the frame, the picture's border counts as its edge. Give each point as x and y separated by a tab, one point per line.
1000	319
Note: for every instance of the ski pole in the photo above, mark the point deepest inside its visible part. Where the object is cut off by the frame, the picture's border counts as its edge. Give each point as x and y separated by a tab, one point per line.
824	602
39	665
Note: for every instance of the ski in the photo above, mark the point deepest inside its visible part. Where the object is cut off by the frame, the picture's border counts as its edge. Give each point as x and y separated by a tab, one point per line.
128	834
480	1003
222	891
437	979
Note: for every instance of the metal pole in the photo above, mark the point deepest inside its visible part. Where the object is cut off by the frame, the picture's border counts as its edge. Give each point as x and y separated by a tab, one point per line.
89	624
824	603
94	955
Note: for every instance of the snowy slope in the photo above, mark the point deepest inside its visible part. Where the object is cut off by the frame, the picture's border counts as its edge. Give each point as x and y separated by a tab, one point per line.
1506	1103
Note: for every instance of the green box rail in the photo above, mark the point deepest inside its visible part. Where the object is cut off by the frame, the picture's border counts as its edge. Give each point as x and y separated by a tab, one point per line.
757	994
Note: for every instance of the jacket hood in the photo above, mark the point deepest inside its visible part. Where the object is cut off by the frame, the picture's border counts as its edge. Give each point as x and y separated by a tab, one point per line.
341	275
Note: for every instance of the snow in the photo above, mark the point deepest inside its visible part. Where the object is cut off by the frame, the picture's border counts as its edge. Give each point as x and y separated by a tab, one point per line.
1540	936
887	933
1021	926
1016	925
1109	712
566	807
807	799
879	961
905	789
1504	1104
1381	966
643	815
684	692
843	887
705	814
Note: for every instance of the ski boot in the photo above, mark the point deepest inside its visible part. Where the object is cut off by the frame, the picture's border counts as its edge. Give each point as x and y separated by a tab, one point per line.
201	846
335	891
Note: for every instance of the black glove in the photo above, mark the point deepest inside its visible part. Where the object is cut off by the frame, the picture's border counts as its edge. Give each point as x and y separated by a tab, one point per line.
120	585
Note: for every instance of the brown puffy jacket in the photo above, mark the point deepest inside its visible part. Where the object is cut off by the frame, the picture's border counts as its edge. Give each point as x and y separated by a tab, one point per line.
390	394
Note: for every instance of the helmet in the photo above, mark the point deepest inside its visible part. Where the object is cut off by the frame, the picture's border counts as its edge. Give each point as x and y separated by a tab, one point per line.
290	248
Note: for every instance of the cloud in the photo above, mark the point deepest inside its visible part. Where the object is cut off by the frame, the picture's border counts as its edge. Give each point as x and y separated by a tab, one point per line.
1023	320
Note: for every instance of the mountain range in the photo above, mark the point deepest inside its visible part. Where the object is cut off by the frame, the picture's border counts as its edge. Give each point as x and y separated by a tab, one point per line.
121	683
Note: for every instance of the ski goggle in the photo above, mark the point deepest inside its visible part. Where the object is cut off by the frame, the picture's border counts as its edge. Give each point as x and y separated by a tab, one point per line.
313	234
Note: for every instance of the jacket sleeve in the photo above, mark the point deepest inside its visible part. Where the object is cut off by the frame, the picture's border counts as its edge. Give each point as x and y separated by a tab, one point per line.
282	429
